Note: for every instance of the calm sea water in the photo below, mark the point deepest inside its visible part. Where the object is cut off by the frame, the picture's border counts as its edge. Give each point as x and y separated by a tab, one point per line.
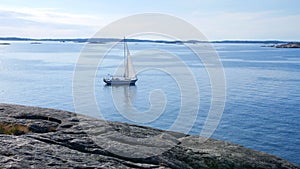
262	109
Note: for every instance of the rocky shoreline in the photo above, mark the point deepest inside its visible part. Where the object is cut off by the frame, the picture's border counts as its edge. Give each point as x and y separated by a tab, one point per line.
289	45
33	137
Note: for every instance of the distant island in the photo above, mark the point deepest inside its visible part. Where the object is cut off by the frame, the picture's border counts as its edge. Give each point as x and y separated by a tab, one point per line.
289	45
106	40
284	45
4	43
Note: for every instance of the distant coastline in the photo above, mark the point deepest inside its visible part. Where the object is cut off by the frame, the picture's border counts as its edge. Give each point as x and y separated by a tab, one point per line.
4	43
289	45
105	40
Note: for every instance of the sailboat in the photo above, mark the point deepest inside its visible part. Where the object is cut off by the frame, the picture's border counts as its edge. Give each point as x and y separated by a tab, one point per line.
129	77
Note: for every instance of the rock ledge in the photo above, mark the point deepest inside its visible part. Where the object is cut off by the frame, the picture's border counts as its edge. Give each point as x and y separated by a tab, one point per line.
33	137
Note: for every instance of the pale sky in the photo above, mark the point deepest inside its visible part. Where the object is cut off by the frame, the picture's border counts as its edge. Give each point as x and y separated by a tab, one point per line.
216	19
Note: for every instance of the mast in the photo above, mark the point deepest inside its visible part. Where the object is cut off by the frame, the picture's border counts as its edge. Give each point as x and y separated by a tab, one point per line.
124	58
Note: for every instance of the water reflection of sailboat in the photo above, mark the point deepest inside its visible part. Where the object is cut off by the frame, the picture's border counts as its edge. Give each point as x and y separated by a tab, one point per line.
124	97
126	103
129	77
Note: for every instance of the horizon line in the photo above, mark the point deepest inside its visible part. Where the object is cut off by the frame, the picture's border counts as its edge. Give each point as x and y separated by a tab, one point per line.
15	38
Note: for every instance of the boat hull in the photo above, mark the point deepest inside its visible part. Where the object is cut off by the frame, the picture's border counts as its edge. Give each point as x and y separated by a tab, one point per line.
120	82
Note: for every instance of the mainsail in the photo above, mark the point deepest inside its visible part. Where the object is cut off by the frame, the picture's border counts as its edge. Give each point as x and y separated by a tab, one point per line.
129	69
129	77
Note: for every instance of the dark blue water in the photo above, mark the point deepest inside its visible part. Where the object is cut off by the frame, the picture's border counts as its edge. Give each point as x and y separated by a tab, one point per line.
262	84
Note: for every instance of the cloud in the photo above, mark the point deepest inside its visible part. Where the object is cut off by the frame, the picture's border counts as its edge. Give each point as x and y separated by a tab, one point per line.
248	25
216	25
45	22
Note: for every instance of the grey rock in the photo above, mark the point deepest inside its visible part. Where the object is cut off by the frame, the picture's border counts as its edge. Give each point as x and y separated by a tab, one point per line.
32	137
289	45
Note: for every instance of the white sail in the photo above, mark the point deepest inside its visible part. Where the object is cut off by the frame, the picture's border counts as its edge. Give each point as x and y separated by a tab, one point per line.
129	77
129	69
